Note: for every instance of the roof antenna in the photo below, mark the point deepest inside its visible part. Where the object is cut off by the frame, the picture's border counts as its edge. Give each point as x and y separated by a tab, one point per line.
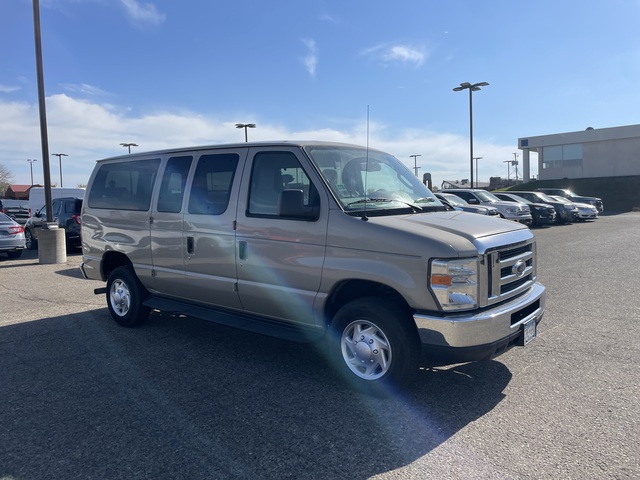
366	172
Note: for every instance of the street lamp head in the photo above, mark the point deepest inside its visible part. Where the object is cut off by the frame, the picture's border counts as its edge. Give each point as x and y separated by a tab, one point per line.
245	125
129	144
466	85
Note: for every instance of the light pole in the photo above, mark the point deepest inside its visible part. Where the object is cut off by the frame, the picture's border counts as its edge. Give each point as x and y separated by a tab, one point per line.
60	155
129	145
515	163
415	164
245	126
508	162
31	160
477	177
472	88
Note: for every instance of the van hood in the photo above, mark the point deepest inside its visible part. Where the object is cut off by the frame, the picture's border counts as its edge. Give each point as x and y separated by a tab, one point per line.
470	226
428	234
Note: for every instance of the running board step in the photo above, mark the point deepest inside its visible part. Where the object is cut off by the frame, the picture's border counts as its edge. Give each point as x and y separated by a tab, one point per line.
263	326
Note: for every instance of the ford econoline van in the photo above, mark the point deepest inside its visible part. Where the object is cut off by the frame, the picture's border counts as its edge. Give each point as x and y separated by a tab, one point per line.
310	241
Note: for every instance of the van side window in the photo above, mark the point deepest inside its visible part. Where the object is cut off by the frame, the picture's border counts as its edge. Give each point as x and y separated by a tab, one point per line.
124	185
174	180
212	183
272	173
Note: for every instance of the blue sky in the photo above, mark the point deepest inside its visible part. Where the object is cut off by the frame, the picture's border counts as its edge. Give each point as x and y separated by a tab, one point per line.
163	73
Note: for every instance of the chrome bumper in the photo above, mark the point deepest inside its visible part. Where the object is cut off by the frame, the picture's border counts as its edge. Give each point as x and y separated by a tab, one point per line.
488	326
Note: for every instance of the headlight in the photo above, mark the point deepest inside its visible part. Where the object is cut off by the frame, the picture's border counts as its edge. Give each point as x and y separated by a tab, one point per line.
512	209
455	283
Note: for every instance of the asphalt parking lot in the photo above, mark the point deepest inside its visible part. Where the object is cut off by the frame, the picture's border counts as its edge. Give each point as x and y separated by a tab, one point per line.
81	398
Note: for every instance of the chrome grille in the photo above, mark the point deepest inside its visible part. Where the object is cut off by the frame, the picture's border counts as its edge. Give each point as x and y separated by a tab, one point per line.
510	270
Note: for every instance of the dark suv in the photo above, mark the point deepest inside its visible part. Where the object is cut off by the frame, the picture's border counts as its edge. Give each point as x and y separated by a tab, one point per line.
66	213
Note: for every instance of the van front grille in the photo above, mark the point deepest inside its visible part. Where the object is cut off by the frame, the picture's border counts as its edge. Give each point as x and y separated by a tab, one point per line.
510	270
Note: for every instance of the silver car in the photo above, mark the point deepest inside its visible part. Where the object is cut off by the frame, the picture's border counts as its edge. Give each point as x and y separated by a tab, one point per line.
460	204
11	236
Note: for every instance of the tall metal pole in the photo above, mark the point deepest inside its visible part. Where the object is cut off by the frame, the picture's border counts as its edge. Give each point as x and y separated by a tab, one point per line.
60	155
44	138
476	159
245	126
471	133
415	163
31	160
471	88
129	145
508	162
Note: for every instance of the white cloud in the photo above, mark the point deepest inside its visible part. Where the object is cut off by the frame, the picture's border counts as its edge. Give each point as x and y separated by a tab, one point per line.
88	131
83	88
325	17
143	12
8	88
397	54
310	61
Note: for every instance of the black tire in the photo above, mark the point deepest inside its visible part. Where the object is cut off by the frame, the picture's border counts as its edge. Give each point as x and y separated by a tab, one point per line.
385	356
30	240
14	253
125	295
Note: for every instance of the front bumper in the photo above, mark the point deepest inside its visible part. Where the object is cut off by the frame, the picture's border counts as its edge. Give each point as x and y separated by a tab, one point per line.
480	335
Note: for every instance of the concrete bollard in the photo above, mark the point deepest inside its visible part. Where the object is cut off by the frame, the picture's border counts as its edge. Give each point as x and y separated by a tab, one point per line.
52	246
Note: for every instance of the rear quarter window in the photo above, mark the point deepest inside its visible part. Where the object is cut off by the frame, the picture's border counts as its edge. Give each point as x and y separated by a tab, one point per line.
124	185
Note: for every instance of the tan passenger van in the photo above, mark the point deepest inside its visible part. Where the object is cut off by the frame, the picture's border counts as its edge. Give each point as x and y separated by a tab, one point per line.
310	241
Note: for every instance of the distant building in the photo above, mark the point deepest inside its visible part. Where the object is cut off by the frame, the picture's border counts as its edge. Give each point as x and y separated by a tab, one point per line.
602	152
18	192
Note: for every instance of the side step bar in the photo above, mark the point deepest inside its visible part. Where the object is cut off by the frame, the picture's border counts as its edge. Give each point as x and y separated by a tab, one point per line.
261	325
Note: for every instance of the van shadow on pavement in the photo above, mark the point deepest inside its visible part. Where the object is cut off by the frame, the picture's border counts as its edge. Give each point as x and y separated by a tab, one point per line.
184	398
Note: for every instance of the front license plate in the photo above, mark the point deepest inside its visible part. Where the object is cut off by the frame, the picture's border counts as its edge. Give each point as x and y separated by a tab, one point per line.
529	330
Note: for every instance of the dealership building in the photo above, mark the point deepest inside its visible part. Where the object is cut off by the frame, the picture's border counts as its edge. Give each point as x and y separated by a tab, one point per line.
601	152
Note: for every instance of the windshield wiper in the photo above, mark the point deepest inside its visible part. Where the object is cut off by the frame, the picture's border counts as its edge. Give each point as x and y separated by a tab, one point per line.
373	200
413	206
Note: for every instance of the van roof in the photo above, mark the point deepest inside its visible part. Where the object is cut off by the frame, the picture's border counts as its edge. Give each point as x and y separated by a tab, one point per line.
273	143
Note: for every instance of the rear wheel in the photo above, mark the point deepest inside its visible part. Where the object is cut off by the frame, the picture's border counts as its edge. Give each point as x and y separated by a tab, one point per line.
374	345
125	296
14	253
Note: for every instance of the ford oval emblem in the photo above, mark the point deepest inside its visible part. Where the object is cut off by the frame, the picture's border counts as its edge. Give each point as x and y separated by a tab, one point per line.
518	268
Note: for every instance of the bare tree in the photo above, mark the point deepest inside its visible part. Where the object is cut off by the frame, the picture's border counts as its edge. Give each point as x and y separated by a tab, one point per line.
6	178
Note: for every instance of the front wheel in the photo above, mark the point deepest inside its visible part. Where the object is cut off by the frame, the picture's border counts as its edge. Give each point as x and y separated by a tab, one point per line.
125	296
374	344
30	240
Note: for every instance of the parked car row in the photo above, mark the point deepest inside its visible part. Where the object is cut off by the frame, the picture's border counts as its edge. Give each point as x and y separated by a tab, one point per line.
573	197
534	208
454	202
517	211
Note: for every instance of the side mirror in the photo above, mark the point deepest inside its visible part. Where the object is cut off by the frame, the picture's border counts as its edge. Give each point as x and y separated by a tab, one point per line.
473	201
291	204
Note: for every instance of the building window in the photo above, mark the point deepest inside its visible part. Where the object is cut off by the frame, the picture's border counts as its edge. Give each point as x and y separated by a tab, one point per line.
562	156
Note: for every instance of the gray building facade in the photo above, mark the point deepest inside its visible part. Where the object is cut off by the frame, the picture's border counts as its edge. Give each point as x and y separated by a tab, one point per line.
603	152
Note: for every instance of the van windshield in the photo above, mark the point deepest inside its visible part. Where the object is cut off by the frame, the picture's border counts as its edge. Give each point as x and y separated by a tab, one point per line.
369	179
